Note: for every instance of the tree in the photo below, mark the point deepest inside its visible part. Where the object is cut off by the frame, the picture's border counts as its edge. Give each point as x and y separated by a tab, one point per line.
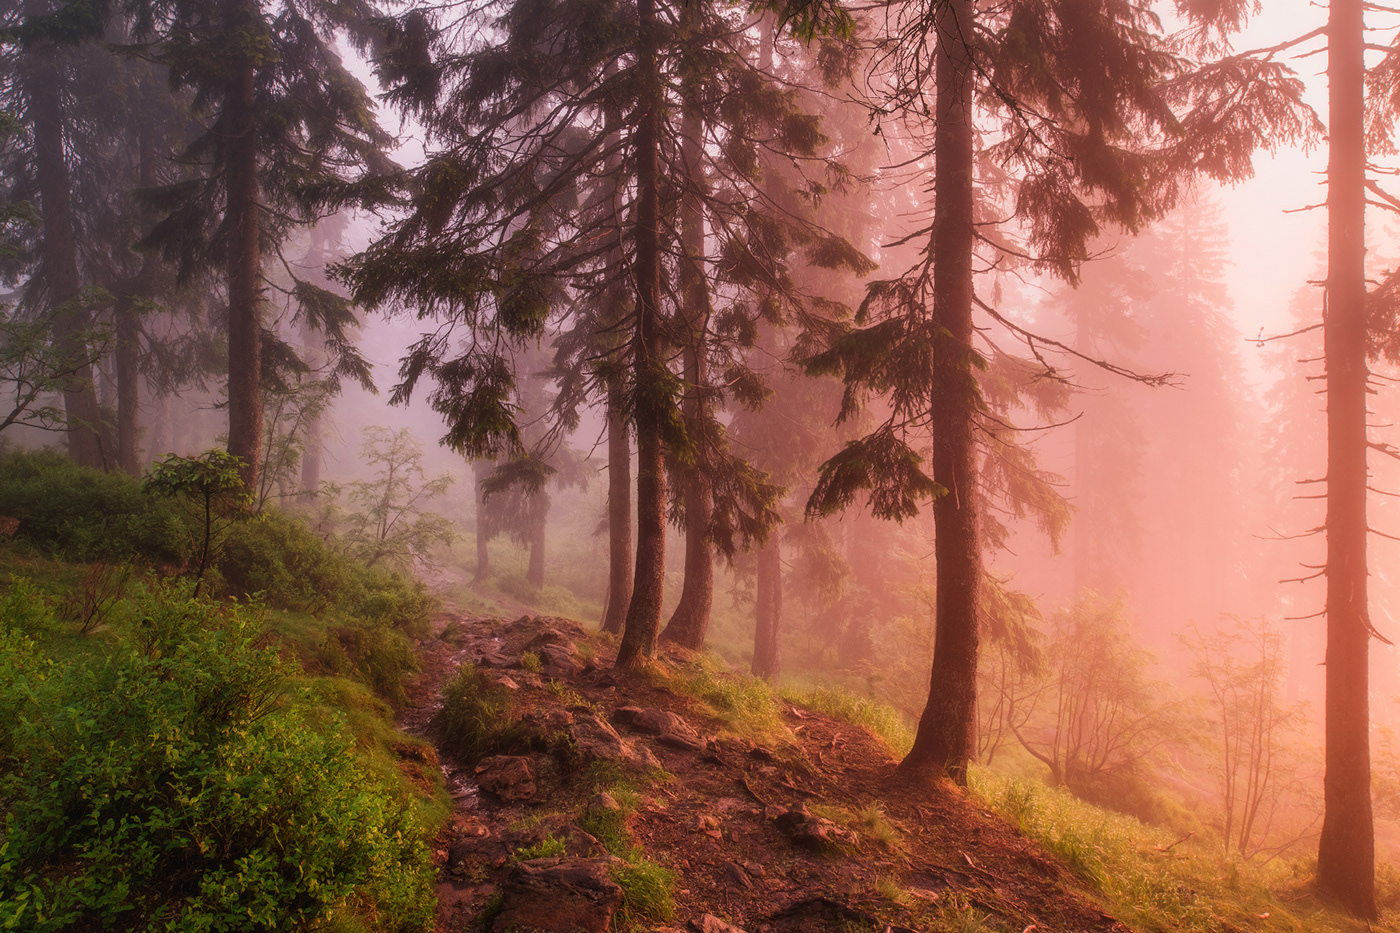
1092	119
1243	669
40	64
212	487
1096	716
287	126
557	166
392	525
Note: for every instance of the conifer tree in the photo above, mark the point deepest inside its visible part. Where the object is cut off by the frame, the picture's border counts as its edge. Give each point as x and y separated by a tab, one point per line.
1090	119
554	180
287	127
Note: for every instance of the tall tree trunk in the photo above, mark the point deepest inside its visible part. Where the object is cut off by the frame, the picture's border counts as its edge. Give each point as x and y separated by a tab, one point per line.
70	319
1346	850
768	612
245	412
947	728
644	612
535	571
691	620
161	439
316	430
480	470
619	513
128	318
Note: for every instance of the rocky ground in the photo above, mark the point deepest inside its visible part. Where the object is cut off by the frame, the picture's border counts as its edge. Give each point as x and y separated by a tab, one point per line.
801	827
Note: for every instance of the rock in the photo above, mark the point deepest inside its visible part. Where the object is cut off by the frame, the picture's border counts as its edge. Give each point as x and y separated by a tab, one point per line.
712	924
547	721
813	832
604	802
654	721
594	738
565	895
735	876
773	811
677	740
562	658
509	777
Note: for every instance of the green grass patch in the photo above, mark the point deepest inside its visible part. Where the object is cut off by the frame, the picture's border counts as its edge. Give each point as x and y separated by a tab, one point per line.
548	847
883	721
746	705
1154	882
646	891
475	721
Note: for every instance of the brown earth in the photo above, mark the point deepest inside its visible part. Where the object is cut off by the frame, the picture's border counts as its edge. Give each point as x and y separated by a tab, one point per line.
894	855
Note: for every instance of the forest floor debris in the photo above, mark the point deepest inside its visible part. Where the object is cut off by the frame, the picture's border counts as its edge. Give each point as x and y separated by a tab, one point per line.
644	788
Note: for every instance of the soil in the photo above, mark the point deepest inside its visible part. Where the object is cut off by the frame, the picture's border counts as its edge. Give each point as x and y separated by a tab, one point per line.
907	855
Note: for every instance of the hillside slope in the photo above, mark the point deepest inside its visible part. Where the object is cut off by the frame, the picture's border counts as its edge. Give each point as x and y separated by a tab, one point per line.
695	800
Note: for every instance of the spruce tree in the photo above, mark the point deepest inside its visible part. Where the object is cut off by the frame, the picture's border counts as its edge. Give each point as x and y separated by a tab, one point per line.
1089	118
287	127
555	173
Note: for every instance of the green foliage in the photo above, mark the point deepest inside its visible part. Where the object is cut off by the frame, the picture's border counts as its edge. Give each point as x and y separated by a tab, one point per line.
883	721
475	719
548	847
212	489
191	792
84	514
646	890
279	556
531	662
391	523
38	366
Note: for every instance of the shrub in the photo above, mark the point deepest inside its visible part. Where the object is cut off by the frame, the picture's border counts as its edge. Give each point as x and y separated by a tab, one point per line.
279	556
172	785
475	719
84	514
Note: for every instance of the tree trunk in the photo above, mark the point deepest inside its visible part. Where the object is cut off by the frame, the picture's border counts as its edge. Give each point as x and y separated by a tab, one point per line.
480	470
691	620
128	319
70	318
245	413
1346	851
535	572
315	431
768	612
160	430
947	729
644	612
619	513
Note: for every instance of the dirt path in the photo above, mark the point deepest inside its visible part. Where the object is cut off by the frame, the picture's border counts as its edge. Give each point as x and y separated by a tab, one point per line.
804	829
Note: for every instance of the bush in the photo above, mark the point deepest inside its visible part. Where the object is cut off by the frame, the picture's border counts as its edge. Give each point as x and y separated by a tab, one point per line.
172	786
475	720
84	514
279	556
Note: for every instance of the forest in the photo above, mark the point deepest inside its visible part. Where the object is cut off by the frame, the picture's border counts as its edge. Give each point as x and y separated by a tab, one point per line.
641	465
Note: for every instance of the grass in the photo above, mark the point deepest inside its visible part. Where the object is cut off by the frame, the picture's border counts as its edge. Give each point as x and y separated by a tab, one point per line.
475	720
646	891
746	705
884	722
1153	882
548	847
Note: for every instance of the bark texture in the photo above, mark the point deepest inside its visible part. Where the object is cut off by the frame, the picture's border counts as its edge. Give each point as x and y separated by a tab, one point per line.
691	621
644	612
619	514
70	320
947	727
1346	850
243	223
768	612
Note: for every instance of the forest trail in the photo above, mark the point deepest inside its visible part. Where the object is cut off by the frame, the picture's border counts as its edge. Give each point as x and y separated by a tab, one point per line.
799	827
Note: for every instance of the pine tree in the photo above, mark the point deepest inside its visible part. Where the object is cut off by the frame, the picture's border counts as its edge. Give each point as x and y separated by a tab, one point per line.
287	127
556	171
1094	121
